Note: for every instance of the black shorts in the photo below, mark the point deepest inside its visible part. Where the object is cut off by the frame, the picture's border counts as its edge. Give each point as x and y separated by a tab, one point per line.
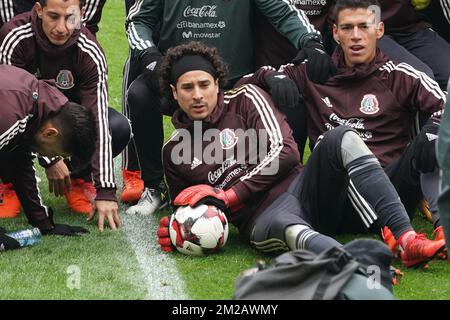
317	197
406	180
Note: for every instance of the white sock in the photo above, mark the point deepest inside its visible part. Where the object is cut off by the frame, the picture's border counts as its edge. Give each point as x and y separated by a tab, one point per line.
291	233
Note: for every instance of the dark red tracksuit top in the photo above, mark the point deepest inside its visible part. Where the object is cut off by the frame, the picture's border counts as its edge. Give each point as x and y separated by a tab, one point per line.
379	100
80	71
256	183
26	104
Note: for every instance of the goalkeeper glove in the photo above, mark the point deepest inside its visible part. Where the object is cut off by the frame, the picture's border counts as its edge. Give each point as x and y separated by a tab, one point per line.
319	66
205	194
283	90
425	148
164	236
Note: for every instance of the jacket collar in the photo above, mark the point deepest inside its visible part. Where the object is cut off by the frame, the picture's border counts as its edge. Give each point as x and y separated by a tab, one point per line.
356	72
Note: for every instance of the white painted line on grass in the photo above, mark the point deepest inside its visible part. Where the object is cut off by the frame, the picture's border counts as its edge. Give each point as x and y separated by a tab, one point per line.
163	280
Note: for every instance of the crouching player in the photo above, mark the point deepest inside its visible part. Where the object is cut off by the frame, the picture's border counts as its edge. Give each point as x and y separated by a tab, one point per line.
35	117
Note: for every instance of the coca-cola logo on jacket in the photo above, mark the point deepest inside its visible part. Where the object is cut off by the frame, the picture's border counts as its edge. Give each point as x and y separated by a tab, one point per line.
201	12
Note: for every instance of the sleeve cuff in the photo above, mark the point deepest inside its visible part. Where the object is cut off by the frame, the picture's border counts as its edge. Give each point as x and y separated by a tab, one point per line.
44	224
309	39
46	162
108	194
235	200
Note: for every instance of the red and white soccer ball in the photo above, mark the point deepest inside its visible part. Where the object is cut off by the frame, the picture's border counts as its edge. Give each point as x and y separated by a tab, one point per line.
198	231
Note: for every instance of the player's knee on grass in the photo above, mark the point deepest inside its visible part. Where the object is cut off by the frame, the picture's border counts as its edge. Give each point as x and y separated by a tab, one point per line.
120	129
138	96
269	231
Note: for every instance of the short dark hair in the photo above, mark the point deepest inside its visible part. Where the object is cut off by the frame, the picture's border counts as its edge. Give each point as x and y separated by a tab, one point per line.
174	54
78	131
44	3
352	4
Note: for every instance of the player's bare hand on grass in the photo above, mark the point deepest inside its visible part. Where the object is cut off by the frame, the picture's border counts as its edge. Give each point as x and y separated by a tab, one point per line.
58	176
106	209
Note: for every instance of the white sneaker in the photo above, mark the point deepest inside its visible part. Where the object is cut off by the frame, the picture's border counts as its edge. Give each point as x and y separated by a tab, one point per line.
149	202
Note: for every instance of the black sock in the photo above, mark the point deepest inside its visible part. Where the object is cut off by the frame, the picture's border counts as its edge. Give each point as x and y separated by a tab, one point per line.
316	242
155	184
380	204
429	183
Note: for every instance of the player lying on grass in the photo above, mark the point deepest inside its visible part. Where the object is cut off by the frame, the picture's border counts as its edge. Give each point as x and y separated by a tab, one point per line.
381	100
234	149
35	117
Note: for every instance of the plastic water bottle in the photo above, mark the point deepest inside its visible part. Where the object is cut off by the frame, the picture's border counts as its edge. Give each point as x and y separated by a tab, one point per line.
27	237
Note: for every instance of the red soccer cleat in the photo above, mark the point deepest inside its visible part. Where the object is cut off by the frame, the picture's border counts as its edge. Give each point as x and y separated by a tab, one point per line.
76	198
9	204
133	186
390	241
439	235
418	250
439	232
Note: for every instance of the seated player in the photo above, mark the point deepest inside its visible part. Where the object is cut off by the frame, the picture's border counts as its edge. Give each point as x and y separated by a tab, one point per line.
381	100
234	149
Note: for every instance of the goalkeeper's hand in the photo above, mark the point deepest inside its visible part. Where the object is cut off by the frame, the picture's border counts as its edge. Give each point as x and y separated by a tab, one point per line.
164	236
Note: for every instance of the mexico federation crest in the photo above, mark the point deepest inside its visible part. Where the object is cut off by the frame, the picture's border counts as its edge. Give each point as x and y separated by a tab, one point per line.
369	104
64	80
228	138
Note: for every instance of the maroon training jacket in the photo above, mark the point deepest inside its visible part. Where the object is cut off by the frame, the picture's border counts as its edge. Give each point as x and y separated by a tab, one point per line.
26	104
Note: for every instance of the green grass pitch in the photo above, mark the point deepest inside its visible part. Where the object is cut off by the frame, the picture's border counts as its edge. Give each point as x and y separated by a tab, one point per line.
105	265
